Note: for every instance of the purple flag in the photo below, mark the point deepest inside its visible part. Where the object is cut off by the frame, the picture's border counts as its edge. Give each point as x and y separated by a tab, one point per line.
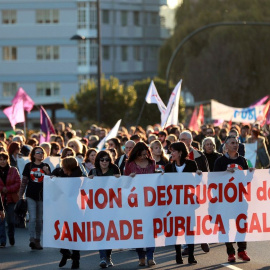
46	125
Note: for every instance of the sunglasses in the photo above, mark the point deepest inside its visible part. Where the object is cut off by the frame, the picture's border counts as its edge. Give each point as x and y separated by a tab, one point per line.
40	153
105	159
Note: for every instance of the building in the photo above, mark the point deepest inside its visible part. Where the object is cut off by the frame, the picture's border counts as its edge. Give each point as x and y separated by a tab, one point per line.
37	52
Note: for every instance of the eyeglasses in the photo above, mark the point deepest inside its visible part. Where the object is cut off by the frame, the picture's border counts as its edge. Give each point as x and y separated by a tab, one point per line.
104	160
40	153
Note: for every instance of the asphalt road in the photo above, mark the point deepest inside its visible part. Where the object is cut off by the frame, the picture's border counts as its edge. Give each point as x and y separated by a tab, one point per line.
21	256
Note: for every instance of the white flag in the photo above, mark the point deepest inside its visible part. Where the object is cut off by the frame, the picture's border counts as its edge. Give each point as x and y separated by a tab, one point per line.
152	96
111	134
171	115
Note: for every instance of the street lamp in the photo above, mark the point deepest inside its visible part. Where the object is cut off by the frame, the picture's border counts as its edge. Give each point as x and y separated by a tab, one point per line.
99	90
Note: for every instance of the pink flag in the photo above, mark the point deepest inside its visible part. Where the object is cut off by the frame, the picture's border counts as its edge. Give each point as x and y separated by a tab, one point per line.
259	102
193	124
200	116
264	118
28	103
15	113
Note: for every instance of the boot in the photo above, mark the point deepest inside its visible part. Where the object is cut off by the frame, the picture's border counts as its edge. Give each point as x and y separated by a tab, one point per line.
37	243
75	264
142	262
32	243
64	259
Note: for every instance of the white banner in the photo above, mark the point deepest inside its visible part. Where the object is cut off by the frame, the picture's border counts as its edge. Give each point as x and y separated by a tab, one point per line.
220	111
156	210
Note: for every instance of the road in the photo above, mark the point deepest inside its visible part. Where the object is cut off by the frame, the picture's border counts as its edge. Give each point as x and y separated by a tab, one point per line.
21	256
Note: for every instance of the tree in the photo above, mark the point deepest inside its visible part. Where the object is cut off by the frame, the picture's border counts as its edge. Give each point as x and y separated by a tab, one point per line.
117	102
227	63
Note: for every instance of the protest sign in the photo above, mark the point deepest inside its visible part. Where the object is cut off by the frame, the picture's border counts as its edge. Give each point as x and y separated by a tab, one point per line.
156	210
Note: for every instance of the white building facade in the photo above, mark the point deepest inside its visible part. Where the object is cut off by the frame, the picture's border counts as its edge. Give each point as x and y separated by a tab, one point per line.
38	55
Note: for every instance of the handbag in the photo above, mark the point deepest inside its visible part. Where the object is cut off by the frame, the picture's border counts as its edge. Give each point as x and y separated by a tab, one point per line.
15	197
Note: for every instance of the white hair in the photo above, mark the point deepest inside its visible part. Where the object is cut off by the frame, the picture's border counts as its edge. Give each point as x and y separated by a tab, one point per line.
188	133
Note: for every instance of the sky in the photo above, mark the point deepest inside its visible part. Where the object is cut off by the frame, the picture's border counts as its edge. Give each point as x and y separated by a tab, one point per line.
173	3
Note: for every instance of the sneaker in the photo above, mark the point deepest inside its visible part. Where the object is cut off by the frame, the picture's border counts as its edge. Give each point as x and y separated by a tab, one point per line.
185	251
109	261
205	247
103	263
231	258
142	262
243	255
151	263
2	245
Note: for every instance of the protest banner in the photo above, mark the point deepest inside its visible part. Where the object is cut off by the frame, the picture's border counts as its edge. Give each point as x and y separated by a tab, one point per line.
220	111
156	210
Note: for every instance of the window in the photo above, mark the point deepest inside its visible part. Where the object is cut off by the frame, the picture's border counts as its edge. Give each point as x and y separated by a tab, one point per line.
87	15
47	16
9	89
124	53
48	89
47	52
9	53
137	53
154	18
124	18
106	53
9	16
136	18
88	52
105	16
153	53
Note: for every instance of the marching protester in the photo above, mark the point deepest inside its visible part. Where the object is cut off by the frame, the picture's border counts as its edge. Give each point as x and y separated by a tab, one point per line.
209	150
9	187
181	164
55	149
121	161
228	162
32	187
104	167
116	144
13	151
70	168
140	161
158	155
89	160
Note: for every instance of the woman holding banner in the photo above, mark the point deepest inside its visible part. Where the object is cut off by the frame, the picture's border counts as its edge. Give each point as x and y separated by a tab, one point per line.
104	167
141	162
70	168
181	164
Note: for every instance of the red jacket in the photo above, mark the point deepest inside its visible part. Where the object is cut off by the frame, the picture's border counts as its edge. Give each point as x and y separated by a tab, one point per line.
13	183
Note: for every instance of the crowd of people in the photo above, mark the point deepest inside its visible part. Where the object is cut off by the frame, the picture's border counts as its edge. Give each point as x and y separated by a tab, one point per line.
133	151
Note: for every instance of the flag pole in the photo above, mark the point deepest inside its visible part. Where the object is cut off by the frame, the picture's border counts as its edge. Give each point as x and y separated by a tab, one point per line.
140	115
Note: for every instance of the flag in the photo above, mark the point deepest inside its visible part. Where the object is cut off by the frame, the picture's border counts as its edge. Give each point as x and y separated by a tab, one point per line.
170	117
193	124
200	116
28	103
264	118
15	113
46	125
259	102
111	134
152	96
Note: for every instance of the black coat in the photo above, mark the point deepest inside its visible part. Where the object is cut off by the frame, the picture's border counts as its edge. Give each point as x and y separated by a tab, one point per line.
191	166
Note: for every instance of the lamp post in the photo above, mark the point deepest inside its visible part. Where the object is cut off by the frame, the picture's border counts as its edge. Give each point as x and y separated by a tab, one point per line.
99	90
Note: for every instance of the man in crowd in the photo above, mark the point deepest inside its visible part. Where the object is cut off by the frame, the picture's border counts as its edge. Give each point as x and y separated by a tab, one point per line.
227	162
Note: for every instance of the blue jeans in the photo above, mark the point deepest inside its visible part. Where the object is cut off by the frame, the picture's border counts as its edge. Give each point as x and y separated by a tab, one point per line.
35	210
9	211
149	253
105	253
